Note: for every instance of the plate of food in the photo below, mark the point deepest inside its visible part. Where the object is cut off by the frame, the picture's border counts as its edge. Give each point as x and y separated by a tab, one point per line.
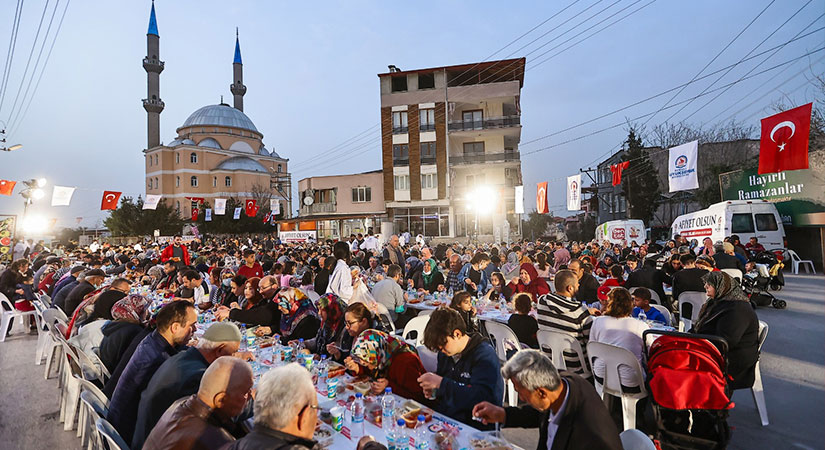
486	441
335	370
413	301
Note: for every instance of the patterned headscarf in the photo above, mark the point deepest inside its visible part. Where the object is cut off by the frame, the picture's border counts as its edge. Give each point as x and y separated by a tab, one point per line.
298	306
132	308
334	308
374	347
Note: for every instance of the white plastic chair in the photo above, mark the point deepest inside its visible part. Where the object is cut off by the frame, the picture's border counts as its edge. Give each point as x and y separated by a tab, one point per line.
654	297
43	337
92	409
52	347
797	261
695	299
110	435
665	312
614	357
636	440
504	341
8	314
93	393
428	358
558	343
734	273
756	390
417	325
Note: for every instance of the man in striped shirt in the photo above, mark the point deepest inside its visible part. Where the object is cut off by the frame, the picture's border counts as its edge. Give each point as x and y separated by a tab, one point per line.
561	312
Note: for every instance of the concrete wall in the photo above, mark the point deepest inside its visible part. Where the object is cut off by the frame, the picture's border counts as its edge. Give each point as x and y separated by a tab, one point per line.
344	184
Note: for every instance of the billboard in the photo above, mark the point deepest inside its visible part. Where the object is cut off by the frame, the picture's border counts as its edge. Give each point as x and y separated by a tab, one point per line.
799	195
297	236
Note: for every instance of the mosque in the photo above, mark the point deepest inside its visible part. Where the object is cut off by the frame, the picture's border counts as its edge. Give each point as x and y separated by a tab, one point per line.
217	153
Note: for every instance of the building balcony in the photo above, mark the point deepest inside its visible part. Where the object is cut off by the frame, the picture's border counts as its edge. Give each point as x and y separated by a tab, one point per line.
153	105
318	208
400	162
489	123
484	158
153	65
400	130
426	127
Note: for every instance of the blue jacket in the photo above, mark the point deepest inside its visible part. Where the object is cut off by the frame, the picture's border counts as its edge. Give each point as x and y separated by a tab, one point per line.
152	351
483	285
474	378
59	299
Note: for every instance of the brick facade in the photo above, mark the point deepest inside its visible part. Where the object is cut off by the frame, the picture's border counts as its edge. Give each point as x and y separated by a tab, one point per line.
415	152
441	149
386	153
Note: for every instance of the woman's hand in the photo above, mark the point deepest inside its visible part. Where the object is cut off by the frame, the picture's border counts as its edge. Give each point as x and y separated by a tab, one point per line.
222	313
235	305
515	280
263	331
377	387
351	365
20	291
334	351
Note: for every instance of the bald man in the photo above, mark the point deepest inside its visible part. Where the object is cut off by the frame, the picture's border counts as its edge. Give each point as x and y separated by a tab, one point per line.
204	420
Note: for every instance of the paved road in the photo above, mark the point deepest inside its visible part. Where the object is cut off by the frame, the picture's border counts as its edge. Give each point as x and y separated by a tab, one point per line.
793	373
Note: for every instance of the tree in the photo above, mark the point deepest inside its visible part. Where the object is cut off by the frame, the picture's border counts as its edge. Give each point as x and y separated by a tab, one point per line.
130	219
641	186
536	224
228	224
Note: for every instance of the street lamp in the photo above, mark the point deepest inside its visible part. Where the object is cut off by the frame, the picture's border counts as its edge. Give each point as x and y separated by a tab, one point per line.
32	192
3	147
482	200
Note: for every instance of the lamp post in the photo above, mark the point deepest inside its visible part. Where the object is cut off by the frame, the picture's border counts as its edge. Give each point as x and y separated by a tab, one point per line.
3	146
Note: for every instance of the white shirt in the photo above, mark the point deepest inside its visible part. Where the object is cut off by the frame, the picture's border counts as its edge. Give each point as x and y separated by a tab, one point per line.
340	282
626	333
370	243
199	296
554	419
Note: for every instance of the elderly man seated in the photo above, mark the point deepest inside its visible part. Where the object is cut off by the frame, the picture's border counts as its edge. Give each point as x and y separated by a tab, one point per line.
566	408
204	420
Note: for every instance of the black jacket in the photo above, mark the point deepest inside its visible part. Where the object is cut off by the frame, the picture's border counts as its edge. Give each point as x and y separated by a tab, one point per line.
103	305
647	277
588	287
264	437
688	280
265	313
736	322
117	336
725	261
75	298
585	422
8	283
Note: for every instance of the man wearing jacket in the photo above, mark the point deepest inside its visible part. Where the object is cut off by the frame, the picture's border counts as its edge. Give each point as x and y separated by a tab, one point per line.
473	274
176	252
468	367
565	407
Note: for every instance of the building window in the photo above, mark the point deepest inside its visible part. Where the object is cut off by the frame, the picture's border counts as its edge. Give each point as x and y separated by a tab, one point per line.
227	181
426	81
399	122
156	182
473	148
427	119
429	181
194	206
472	119
399	84
150	160
177	158
214	181
428	153
402	182
149	185
401	155
177	181
476	180
361	194
193	158
280	169
156	159
193	181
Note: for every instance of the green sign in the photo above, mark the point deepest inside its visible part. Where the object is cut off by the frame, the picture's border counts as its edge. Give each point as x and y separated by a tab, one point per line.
799	195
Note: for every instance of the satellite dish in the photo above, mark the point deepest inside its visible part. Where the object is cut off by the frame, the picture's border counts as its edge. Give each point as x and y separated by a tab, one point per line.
308	201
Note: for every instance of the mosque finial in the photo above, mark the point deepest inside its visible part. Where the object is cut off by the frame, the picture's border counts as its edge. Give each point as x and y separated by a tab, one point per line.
153	22
237	59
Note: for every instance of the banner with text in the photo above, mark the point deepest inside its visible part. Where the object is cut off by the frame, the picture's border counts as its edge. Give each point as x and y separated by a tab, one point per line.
681	168
574	193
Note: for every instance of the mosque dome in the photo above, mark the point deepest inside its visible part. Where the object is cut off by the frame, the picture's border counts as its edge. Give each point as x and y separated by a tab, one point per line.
221	115
242	163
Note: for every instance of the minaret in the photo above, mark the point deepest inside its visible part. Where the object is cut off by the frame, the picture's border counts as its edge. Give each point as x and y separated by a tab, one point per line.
237	87
153	66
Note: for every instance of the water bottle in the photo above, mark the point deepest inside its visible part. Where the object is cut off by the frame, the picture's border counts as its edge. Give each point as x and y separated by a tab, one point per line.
402	439
642	316
450	293
387	408
391	433
420	435
357	422
243	338
322	372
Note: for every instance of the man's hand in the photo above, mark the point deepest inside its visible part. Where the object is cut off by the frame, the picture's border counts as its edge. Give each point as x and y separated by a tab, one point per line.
234	305
263	331
429	381
20	291
489	413
246	356
377	387
222	313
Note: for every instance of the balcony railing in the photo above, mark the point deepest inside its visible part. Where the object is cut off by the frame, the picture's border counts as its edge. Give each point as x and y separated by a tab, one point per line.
427	160
426	127
399	162
484	158
400	130
318	208
485	124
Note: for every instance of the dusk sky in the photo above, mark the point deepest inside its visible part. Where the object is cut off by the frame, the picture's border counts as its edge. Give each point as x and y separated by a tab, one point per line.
310	69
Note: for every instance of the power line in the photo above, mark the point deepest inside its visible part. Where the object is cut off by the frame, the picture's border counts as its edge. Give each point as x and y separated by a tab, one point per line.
530	31
10	54
337	147
31	53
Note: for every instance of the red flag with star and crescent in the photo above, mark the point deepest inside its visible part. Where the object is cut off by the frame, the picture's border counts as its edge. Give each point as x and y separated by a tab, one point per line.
784	141
7	187
109	200
251	208
541	198
194	214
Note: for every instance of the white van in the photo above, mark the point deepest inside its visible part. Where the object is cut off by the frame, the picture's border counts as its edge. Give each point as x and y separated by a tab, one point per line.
621	231
745	218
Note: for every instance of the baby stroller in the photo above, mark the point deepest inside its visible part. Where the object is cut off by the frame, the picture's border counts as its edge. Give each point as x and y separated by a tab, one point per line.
687	380
766	274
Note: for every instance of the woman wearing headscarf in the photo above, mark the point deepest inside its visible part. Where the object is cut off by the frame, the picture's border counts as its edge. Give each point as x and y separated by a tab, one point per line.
510	269
129	317
389	362
413	273
331	310
299	317
432	277
729	315
529	281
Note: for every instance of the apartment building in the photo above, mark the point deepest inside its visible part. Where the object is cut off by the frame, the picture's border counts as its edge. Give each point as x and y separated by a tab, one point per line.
450	154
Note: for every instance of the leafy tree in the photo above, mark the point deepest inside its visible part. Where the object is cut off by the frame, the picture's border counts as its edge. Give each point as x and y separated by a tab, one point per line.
641	186
227	224
536	225
130	219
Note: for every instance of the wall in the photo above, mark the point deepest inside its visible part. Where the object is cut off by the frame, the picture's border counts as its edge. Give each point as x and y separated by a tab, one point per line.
345	183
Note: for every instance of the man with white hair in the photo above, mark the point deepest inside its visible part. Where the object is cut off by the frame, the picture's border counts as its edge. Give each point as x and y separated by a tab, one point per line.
565	407
180	376
204	420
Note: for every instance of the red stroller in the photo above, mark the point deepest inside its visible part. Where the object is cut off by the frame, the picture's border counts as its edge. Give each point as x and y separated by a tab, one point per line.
688	383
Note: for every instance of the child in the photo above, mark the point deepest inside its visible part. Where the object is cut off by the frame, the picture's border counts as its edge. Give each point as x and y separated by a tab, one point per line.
641	301
616	279
524	325
22	302
462	302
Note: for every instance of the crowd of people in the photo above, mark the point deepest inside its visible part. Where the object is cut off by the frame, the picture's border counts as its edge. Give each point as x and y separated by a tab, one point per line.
344	299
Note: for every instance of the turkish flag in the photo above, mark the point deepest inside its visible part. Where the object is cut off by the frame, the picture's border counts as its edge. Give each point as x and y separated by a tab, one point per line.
784	142
109	200
6	187
266	218
617	172
251	209
194	214
541	198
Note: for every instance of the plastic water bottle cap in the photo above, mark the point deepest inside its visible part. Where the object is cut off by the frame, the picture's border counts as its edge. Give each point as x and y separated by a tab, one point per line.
421	418
301	340
358	395
400	422
388	390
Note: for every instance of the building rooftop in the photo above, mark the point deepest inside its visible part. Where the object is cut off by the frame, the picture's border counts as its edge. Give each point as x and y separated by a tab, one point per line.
475	73
221	115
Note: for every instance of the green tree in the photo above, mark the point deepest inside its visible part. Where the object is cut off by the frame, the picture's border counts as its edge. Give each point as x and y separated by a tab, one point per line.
130	219
536	225
228	224
641	186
